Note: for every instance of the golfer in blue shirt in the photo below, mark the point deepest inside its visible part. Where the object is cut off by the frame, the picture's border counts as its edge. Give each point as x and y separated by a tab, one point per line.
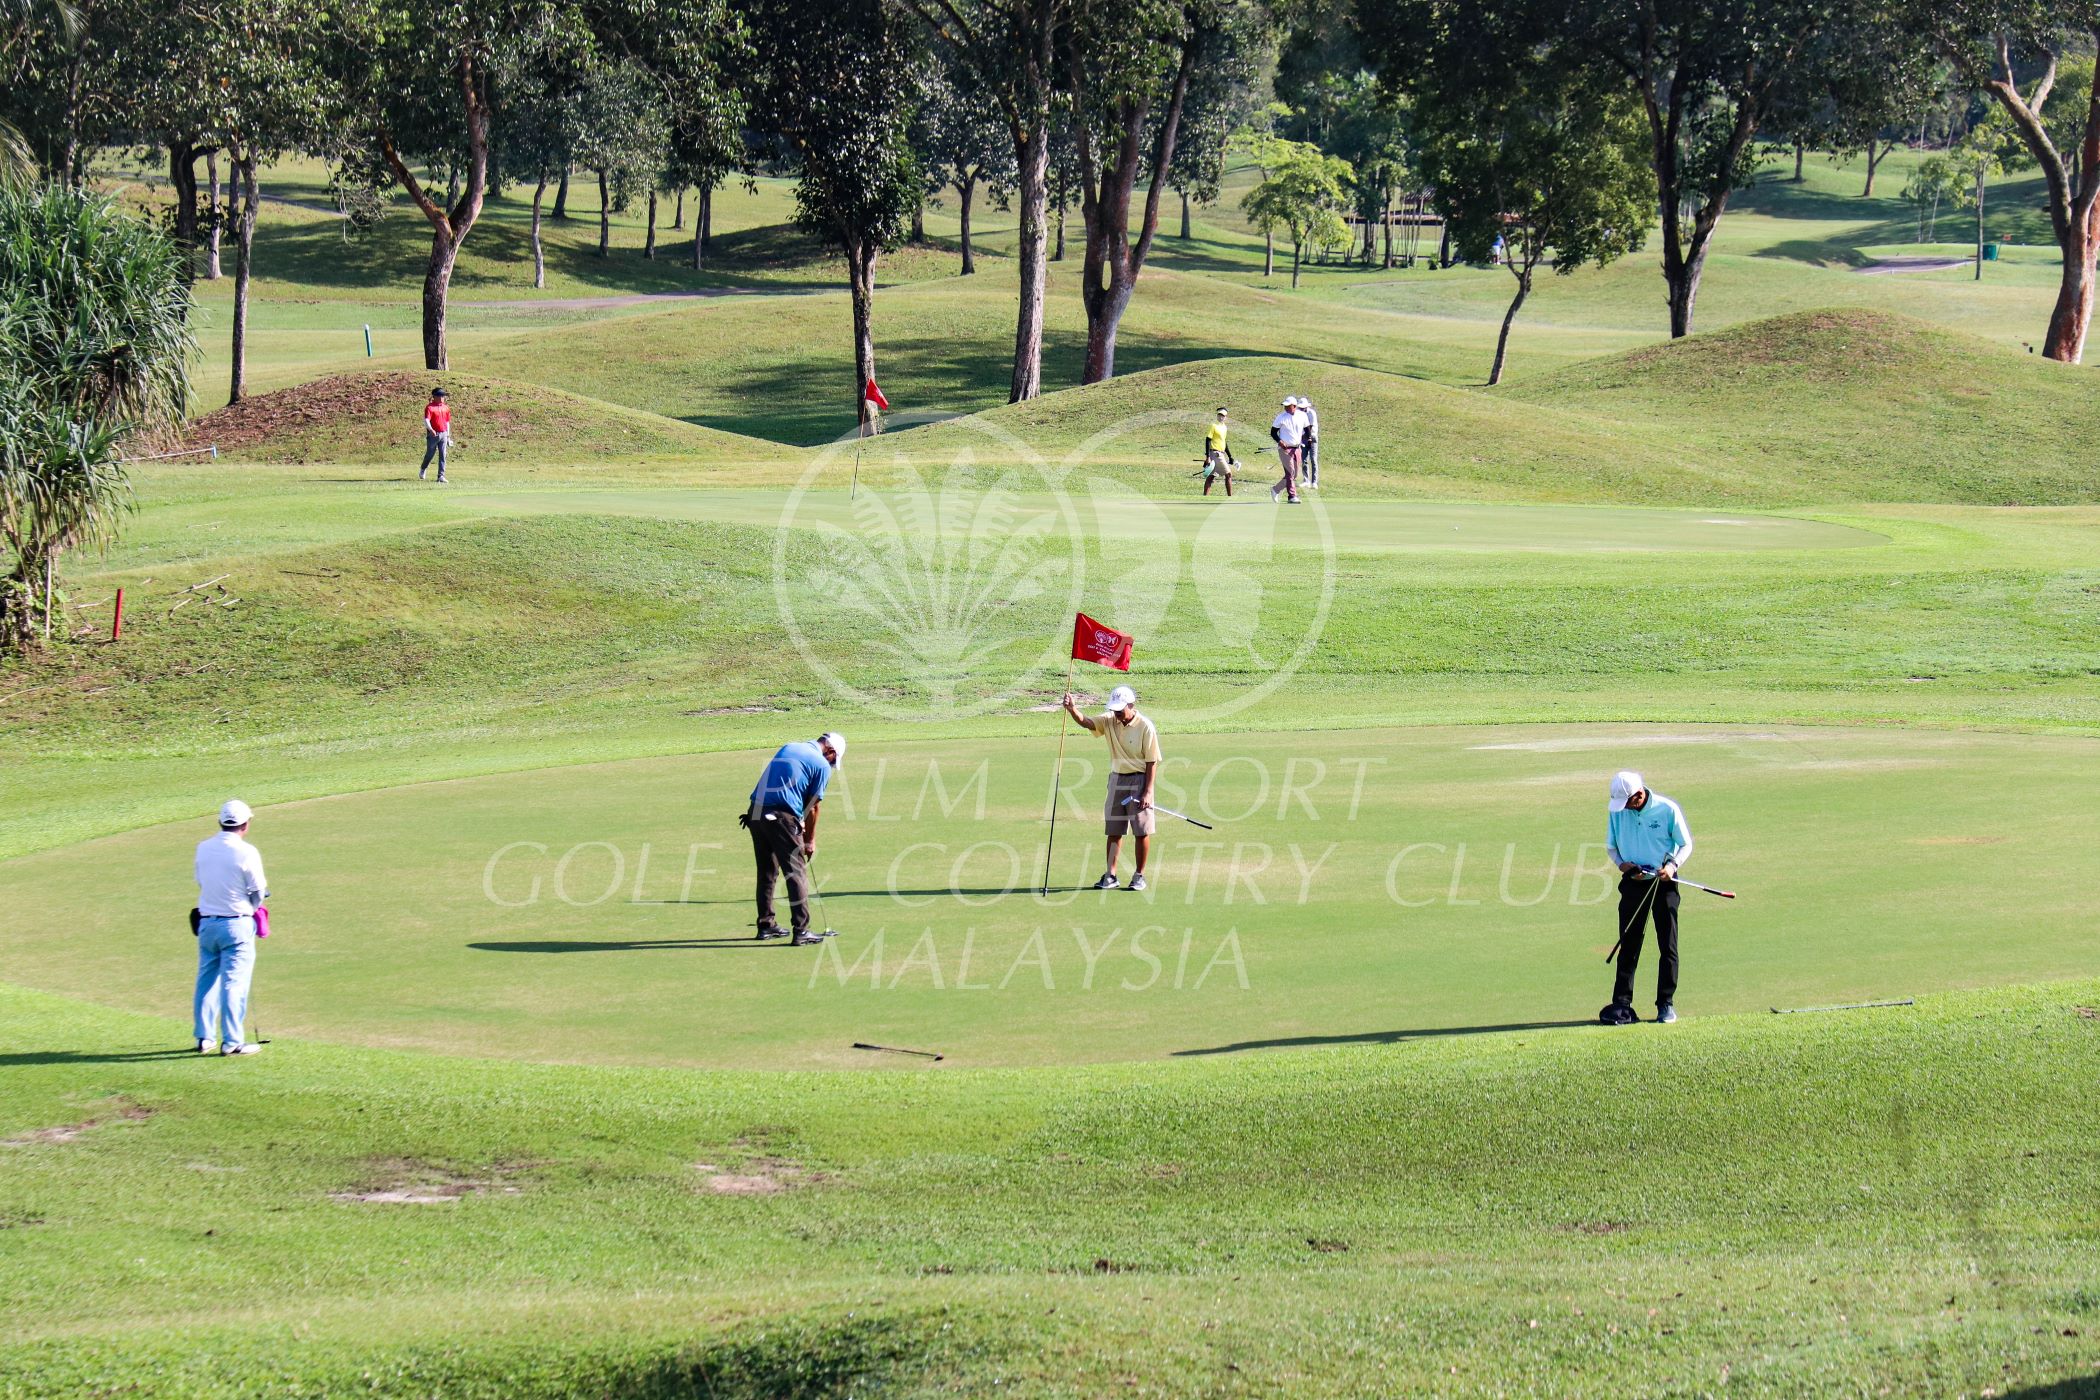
1649	840
783	822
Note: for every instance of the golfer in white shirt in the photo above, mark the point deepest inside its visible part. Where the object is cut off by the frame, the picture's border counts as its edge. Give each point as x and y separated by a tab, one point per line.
230	888
1310	422
1289	433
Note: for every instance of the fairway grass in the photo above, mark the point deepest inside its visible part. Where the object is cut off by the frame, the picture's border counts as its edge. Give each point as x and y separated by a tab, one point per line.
1760	1205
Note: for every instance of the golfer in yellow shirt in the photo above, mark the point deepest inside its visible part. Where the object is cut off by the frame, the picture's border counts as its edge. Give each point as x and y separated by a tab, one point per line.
1133	765
1217	457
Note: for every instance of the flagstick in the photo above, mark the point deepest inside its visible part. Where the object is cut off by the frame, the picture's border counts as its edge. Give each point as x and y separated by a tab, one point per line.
1057	776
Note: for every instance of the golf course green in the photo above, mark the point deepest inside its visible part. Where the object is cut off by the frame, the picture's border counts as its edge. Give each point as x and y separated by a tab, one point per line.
1361	886
1325	1109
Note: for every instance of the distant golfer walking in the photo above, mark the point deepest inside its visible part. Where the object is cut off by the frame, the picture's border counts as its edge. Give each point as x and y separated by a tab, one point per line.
1133	767
782	819
1310	470
1649	841
1289	435
437	433
230	889
1217	454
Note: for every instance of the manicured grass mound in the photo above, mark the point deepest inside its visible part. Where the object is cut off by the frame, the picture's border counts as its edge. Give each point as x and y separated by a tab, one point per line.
377	417
1856	405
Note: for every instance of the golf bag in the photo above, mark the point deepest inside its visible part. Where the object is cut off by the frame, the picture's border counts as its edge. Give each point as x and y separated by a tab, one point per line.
1617	1014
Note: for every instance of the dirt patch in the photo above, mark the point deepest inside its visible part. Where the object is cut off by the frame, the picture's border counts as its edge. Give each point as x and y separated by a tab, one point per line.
1596	1227
758	1176
120	1111
737	710
1328	1246
329	404
406	1181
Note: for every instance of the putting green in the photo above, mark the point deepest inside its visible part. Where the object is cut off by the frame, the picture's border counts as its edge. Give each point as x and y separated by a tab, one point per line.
1360	886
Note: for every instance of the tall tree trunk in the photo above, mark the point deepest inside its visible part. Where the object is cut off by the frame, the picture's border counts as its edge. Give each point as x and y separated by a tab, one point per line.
245	202
2073	310
707	220
649	247
1268	252
705	198
1800	152
1113	261
918	219
1684	251
604	216
1185	234
1443	245
1877	152
561	196
967	188
1059	254
451	183
449	226
678	213
1979	224
1509	318
539	249
182	178
1297	257
1032	162
211	236
860	265
1387	222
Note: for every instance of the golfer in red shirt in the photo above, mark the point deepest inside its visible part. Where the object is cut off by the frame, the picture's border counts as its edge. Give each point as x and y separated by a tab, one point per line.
437	433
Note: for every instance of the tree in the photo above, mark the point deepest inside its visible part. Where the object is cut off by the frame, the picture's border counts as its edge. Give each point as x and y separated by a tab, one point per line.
621	137
1010	48
1936	179
1528	160
539	126
839	91
1303	191
1221	96
1129	68
95	346
1706	76
961	139
2015	51
1989	149
1862	99
698	52
418	81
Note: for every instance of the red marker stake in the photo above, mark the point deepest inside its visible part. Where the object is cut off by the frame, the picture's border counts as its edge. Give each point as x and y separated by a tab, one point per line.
116	623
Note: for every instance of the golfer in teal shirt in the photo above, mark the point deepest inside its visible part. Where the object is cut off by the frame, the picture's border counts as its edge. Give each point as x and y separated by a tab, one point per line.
782	819
1649	840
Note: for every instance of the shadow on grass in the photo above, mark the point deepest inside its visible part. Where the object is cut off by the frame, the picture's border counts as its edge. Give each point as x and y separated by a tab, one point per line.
1382	1037
85	1057
569	945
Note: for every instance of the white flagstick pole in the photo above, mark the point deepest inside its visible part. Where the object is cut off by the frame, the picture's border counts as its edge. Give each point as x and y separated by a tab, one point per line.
1057	775
861	436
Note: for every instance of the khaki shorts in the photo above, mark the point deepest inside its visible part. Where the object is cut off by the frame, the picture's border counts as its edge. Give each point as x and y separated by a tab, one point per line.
1119	819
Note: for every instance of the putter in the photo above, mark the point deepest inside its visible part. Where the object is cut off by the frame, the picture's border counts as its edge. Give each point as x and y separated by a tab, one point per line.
1694	884
893	1050
823	917
1169	811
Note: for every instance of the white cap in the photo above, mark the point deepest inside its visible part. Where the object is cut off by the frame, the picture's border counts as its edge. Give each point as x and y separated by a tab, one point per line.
1119	697
1624	784
837	741
234	813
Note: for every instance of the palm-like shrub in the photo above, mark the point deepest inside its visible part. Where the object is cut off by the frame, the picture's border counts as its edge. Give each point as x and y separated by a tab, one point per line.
95	345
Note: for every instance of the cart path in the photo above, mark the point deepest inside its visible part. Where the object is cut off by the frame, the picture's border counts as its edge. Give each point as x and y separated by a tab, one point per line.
1890	266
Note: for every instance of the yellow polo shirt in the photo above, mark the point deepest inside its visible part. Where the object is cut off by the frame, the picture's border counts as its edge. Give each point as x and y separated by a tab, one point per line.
1214	437
1130	746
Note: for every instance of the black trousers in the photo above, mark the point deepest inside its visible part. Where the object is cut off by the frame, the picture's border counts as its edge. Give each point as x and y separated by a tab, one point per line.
1639	900
776	841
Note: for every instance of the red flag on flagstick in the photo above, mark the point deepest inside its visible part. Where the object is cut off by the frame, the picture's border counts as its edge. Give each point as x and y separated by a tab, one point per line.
873	394
1100	644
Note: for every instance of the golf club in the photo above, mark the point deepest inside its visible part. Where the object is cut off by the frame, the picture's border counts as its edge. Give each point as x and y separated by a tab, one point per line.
1169	811
893	1050
816	894
1695	885
1636	918
1843	1006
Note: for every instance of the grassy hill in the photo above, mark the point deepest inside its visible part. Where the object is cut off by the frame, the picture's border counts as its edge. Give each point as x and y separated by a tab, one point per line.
377	418
1854	404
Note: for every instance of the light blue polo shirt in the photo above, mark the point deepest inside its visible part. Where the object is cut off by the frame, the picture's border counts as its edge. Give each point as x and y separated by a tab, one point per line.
1654	836
794	778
